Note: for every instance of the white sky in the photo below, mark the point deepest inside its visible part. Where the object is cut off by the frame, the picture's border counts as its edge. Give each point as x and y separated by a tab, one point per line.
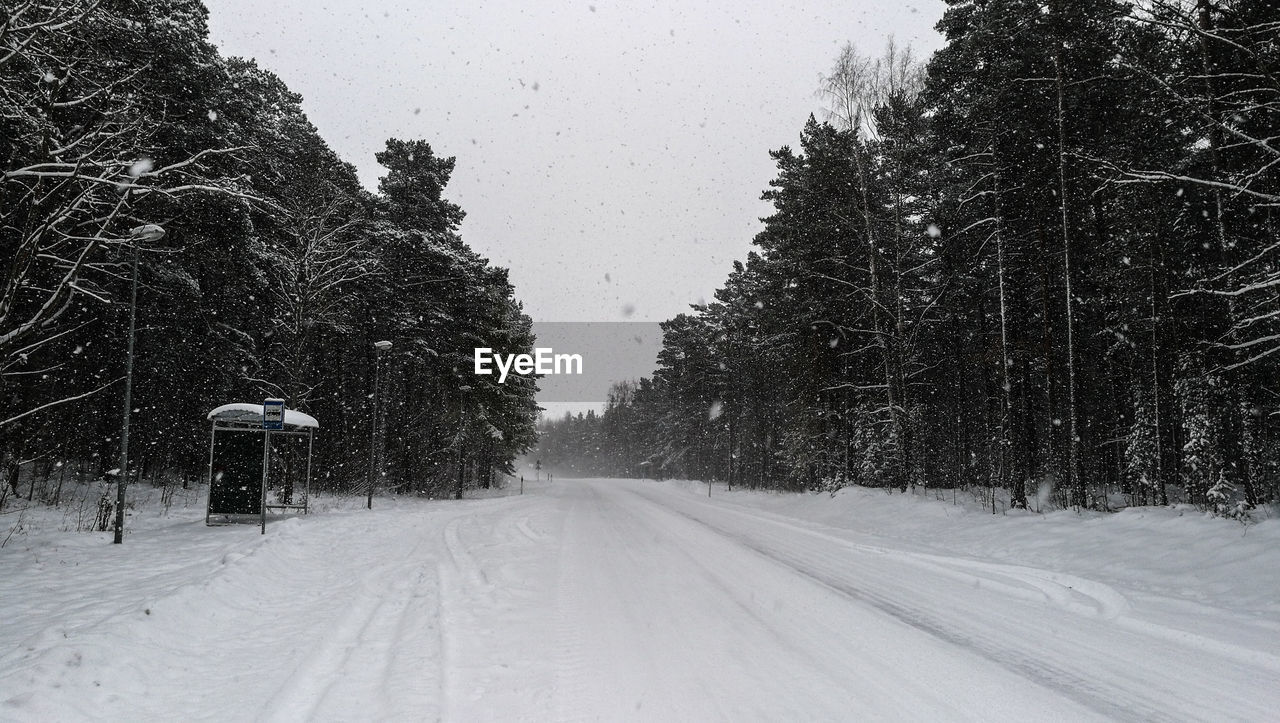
593	137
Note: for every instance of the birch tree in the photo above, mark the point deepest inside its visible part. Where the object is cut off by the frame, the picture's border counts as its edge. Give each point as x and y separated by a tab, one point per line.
856	86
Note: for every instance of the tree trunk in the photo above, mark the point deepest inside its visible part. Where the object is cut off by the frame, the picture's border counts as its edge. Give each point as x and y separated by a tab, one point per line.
1008	478
1074	481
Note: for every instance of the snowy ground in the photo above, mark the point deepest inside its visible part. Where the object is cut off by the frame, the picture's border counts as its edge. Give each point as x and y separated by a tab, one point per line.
615	600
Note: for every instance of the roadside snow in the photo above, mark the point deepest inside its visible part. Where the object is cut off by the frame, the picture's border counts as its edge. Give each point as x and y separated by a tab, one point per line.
1175	552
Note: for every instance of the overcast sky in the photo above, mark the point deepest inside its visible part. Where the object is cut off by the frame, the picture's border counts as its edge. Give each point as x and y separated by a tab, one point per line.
611	154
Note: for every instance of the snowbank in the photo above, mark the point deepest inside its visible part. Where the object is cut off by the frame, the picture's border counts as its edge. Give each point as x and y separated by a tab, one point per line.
1176	552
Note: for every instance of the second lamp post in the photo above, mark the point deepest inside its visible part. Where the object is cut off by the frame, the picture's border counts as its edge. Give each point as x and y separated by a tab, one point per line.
376	436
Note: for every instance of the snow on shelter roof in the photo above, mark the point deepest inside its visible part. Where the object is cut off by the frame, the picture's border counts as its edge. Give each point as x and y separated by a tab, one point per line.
251	415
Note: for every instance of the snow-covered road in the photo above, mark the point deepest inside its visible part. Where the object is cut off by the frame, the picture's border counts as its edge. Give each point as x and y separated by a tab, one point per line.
600	600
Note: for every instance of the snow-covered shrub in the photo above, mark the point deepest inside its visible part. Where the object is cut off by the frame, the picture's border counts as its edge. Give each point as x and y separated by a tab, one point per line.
1224	501
1202	463
1141	451
835	482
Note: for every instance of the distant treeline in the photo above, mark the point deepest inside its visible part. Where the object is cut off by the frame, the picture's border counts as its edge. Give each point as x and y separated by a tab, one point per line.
1049	256
276	273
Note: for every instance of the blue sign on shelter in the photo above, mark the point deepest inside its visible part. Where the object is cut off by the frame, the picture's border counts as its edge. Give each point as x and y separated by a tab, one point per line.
273	414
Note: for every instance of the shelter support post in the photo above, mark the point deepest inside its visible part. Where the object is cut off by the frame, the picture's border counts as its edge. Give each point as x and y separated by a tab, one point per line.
306	490
266	468
209	478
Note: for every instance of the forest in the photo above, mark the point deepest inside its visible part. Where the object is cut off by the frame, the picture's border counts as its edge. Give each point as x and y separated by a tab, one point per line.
275	273
1045	261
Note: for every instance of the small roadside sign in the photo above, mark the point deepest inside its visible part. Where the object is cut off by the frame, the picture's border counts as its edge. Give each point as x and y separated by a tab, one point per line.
273	414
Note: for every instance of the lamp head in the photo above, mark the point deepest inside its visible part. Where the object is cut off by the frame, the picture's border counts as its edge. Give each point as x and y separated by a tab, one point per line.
146	233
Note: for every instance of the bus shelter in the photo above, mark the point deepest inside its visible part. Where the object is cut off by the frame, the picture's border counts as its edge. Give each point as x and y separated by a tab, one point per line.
243	466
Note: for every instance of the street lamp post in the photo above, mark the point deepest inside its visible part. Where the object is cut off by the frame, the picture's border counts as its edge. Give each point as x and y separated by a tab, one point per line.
140	234
375	456
462	430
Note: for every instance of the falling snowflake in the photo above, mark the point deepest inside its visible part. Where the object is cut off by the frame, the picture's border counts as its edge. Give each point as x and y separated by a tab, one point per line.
141	166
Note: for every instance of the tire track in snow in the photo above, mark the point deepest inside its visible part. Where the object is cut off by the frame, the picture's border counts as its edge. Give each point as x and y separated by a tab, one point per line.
415	651
463	562
571	664
357	667
1075	594
812	648
497	596
1102	693
527	531
1051	676
453	579
1068	592
642	654
464	586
